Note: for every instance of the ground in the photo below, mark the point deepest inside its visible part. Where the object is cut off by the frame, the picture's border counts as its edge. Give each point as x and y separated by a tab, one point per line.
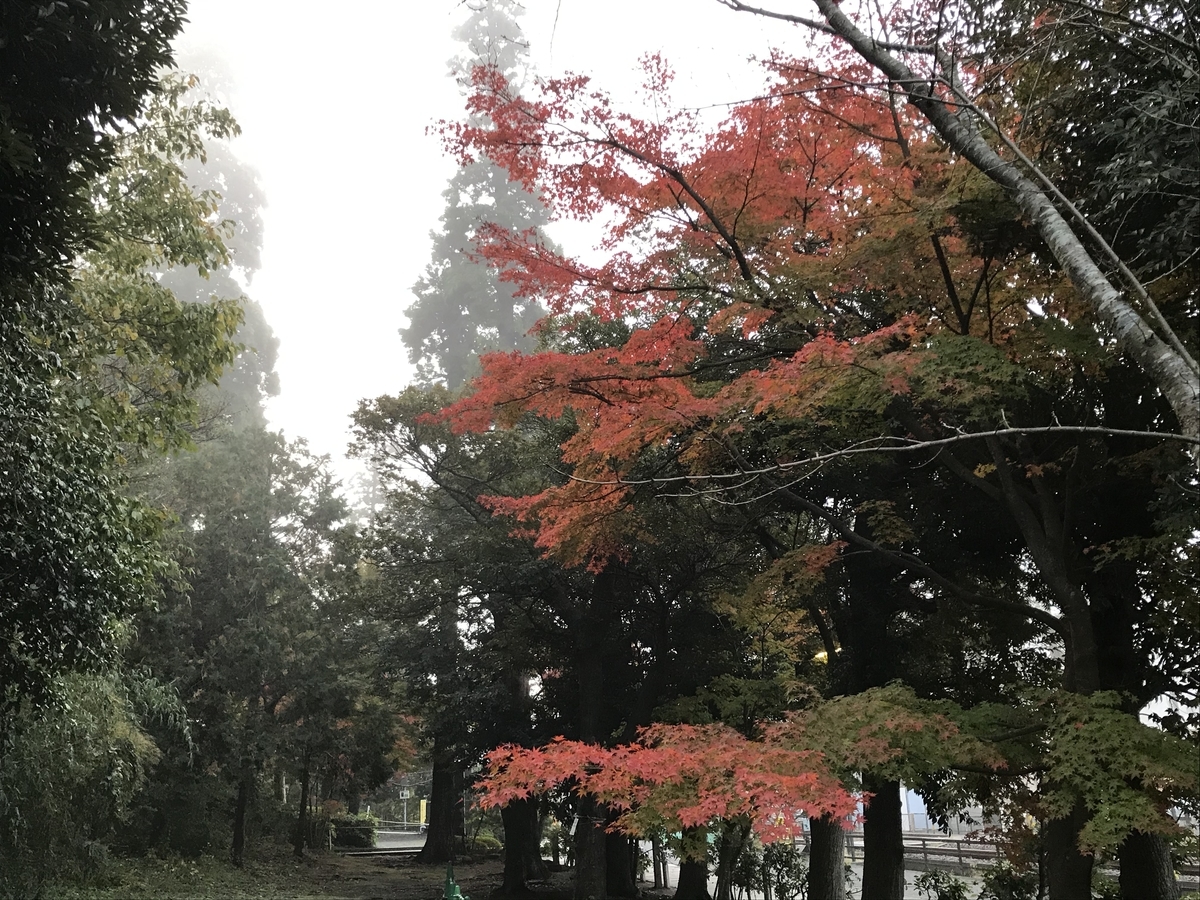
274	875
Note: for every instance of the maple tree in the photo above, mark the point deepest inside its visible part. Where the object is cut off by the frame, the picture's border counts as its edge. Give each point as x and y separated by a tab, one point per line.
678	777
816	274
605	649
945	73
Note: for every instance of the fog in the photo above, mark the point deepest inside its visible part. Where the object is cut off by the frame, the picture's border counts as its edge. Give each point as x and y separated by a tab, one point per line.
336	111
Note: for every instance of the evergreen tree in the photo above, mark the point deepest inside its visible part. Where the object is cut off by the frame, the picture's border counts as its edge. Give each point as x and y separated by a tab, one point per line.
462	308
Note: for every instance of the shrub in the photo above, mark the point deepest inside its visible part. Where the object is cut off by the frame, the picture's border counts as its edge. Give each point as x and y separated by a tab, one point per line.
354	830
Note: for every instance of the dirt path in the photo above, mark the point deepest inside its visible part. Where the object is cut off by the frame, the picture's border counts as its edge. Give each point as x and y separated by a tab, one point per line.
401	878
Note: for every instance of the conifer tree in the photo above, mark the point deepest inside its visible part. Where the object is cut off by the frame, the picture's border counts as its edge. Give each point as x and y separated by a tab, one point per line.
462	307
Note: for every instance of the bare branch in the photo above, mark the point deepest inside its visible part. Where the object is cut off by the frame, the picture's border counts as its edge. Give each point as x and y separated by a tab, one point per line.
893	444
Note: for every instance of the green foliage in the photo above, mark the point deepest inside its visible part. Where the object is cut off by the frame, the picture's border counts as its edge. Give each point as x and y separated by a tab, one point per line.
780	867
1128	773
937	885
75	74
143	351
267	640
354	829
98	372
1003	881
69	777
889	732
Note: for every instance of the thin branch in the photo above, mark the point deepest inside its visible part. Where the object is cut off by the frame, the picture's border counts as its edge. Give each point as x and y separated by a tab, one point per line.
897	445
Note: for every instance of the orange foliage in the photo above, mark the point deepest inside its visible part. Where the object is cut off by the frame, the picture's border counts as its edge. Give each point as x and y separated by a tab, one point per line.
819	190
681	775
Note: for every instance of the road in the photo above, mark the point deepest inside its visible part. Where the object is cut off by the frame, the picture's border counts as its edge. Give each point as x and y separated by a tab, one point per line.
398	840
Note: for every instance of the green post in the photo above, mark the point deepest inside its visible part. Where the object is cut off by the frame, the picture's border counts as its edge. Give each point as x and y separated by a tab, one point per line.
452	891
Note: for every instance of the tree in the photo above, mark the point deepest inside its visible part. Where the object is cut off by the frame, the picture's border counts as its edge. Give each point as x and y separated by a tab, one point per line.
479	617
463	308
946	99
267	643
102	364
837	348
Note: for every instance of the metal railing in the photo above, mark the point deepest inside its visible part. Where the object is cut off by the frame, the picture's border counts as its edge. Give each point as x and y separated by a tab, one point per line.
924	851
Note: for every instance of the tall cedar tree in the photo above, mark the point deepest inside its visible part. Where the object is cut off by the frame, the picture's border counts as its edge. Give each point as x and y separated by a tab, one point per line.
462	309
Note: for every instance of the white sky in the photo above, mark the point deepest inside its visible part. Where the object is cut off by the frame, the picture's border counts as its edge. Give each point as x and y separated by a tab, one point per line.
334	103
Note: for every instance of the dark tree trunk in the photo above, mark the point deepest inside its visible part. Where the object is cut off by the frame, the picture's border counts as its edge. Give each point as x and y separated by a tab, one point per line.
1146	869
238	851
658	857
1068	872
443	802
590	857
535	866
693	880
300	835
826	860
733	842
883	842
519	818
621	880
591	875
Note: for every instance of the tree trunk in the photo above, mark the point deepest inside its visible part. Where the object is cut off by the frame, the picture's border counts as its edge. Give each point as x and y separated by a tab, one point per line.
883	842
535	866
826	860
591	876
238	851
590	857
1068	872
443	800
519	833
300	835
693	880
659	858
1146	869
733	842
621	880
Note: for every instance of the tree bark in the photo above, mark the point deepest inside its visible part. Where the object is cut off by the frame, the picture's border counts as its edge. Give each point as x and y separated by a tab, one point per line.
300	835
1068	872
826	860
659	857
535	865
443	800
591	881
519	818
693	880
621	880
590	840
238	850
883	842
1146	869
733	842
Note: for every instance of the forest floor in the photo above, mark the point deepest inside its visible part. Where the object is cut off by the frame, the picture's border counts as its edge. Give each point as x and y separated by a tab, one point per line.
274	875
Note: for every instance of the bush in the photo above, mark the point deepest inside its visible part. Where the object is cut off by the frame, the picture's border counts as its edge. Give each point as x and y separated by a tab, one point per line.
783	866
67	777
485	841
1005	882
354	830
940	886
